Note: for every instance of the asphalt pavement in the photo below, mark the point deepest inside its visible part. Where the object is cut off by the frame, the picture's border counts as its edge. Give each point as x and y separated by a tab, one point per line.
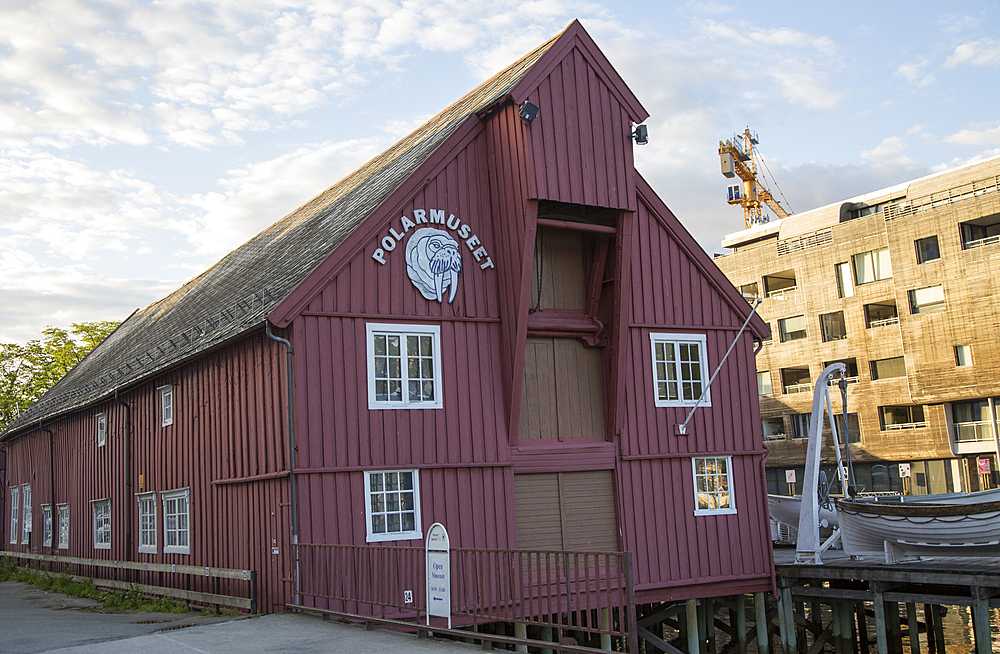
34	621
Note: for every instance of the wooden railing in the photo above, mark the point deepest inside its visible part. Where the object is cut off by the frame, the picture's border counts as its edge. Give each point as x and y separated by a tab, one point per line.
172	580
587	595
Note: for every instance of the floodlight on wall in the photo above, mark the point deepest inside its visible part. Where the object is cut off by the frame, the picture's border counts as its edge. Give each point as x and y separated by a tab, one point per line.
641	135
528	112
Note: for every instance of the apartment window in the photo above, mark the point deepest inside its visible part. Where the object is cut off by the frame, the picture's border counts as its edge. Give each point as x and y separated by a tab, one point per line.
15	508
102	429
792	328
853	427
833	326
176	522
47	525
749	291
852	369
972	421
894	418
393	506
404	366
980	232
927	299
764	383
774	429
166	405
887	368
795	380
679	369
927	249
800	424
713	479
25	513
147	522
880	314
872	266
63	526
963	355
845	286
779	283
102	524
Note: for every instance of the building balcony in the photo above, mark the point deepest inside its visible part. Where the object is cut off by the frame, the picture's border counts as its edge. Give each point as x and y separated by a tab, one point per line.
981	430
885	322
798	388
906	425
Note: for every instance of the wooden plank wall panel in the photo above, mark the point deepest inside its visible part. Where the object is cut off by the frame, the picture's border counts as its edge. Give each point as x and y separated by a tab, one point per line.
580	145
228	423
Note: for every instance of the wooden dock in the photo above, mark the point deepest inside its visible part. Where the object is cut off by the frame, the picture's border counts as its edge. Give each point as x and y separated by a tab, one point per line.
846	585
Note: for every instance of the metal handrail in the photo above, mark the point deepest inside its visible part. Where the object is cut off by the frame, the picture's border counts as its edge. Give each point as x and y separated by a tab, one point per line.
782	291
982	430
906	425
885	321
980	242
798	388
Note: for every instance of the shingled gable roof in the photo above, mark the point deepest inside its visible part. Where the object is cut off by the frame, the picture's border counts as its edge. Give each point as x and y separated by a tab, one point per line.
235	295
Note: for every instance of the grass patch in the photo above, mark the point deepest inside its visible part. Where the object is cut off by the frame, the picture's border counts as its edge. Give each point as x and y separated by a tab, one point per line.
125	601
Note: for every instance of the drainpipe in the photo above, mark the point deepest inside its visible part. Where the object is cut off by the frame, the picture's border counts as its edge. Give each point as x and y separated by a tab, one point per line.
291	450
52	498
128	477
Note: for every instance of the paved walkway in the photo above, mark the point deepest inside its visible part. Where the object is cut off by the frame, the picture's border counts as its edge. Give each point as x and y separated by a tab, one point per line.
33	621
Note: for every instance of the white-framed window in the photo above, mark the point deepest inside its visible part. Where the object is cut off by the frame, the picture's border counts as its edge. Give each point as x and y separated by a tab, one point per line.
102	429
176	521
15	509
63	526
166	405
404	366
713	483
845	286
680	373
872	266
927	299
764	382
963	355
102	523
25	513
47	525
393	505
147	522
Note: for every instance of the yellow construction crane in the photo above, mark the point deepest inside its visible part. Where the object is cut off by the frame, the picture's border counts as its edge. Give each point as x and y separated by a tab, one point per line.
740	160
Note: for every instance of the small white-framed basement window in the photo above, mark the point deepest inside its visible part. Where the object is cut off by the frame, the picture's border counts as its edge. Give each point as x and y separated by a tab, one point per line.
63	526
15	508
102	523
166	405
177	521
713	483
47	525
392	508
680	365
102	429
25	513
147	522
404	366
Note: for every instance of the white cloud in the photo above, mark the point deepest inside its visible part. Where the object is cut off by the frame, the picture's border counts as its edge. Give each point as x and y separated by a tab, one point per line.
913	72
888	153
984	52
977	137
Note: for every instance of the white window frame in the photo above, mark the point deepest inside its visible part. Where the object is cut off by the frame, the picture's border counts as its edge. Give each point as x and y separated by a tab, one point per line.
166	405
373	536
877	262
927	299
25	513
101	510
402	331
15	512
673	341
698	510
102	429
146	508
63	510
963	355
764	386
180	530
47	525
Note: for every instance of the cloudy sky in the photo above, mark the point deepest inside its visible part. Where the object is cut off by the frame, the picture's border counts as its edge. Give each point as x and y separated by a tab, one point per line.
141	141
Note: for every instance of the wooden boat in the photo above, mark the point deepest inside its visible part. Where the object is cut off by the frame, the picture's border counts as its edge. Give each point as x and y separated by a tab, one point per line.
961	525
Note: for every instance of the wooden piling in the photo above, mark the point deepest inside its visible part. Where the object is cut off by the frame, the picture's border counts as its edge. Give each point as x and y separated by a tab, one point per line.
763	625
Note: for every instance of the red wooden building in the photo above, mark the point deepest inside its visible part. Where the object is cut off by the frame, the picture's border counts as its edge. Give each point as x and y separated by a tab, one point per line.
496	325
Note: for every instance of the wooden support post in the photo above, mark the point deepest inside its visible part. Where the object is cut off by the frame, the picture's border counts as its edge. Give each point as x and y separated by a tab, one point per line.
691	617
786	621
708	620
547	636
605	628
892	625
929	620
761	621
741	624
881	638
799	609
835	625
913	627
520	631
862	622
981	620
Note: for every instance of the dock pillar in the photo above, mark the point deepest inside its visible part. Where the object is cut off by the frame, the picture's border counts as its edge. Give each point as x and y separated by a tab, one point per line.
862	622
881	637
691	618
835	627
605	628
741	624
547	636
521	631
786	621
760	619
981	620
913	627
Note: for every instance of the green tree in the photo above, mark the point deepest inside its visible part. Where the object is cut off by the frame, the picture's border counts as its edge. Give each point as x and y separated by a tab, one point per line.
27	371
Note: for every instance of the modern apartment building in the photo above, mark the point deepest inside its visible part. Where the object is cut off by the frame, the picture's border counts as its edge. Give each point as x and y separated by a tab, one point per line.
903	286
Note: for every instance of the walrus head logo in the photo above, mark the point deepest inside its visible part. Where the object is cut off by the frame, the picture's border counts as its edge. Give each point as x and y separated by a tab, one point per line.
433	263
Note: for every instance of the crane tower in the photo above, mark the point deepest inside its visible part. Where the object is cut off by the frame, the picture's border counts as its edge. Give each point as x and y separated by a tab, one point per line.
740	160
